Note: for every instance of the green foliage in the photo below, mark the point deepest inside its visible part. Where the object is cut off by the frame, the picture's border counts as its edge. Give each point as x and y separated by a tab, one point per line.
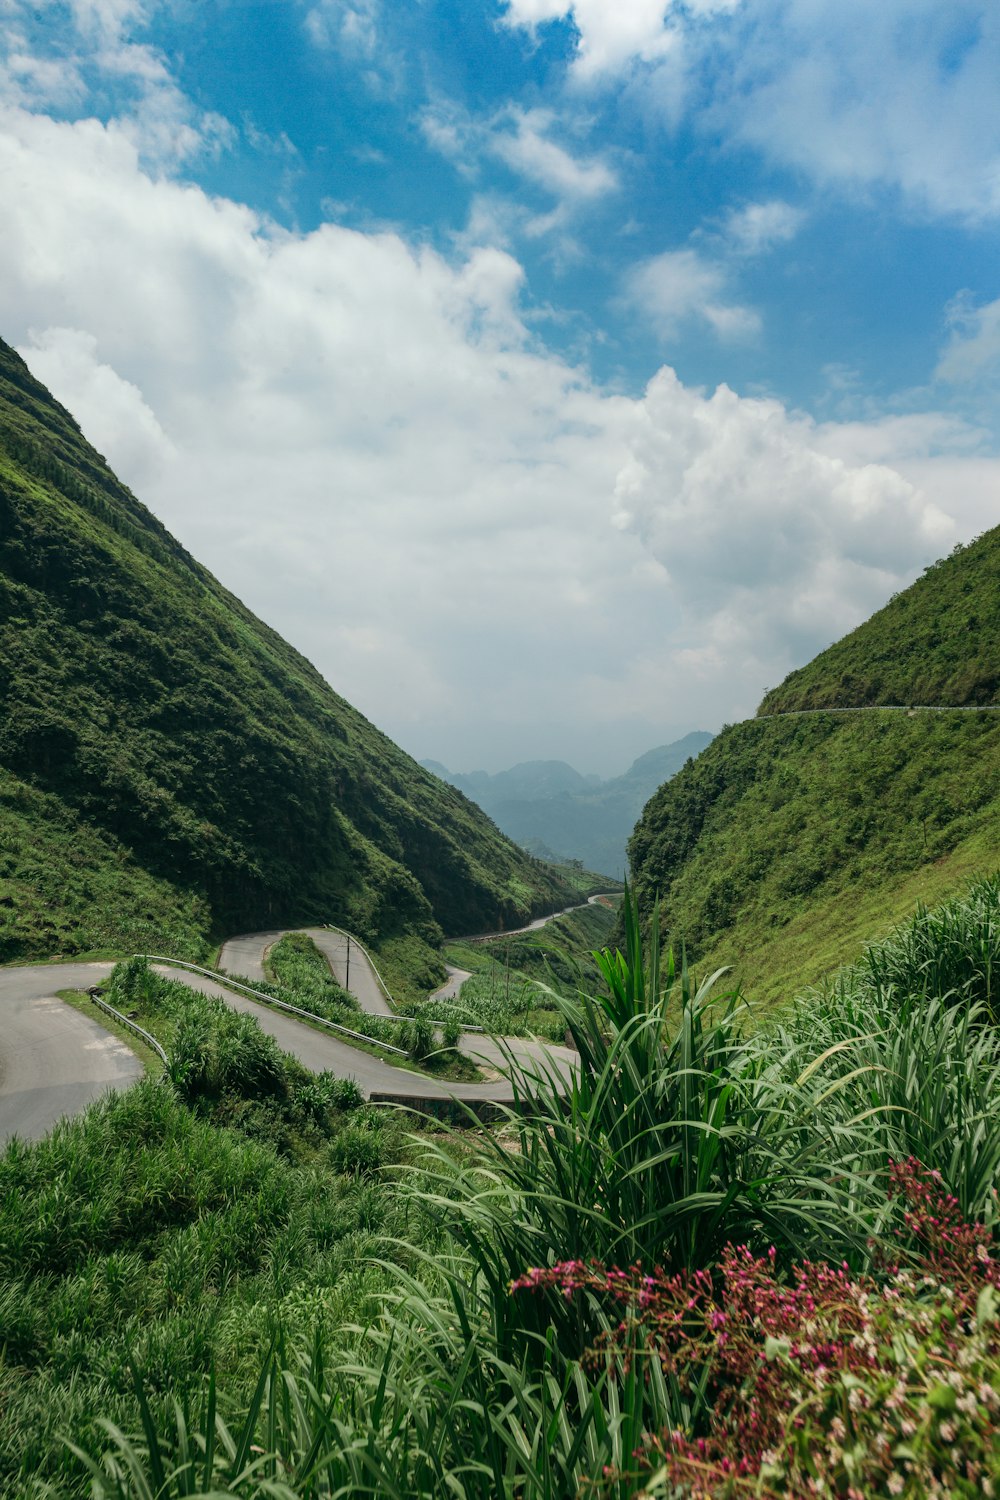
299	967
147	706
143	1231
952	951
686	1130
67	888
675	1140
305	980
937	642
790	841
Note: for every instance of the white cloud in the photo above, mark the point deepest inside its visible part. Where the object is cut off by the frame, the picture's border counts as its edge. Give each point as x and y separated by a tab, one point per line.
899	94
529	151
366	442
773	546
609	35
111	410
97	45
522	139
757	228
352	26
669	289
974	347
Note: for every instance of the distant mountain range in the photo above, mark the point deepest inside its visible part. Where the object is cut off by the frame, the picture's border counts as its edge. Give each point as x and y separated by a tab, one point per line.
556	813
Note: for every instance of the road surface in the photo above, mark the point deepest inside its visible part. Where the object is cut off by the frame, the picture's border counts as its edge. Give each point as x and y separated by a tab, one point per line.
53	1060
245	955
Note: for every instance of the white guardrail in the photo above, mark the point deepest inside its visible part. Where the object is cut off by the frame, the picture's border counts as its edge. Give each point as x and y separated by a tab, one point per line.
126	1021
332	927
293	1010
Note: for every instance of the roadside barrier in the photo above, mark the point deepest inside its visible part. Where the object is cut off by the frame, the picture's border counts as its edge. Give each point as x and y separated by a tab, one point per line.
332	927
293	1010
149	1040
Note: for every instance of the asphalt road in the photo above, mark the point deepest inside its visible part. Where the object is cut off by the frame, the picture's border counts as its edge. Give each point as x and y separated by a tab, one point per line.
319	1051
53	1060
350	966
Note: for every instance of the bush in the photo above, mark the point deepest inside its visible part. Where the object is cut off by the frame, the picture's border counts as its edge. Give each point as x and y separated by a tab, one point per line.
451	1033
357	1151
831	1386
420	1038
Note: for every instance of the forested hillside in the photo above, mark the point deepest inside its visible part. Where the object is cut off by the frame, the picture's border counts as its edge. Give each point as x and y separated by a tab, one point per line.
170	766
791	840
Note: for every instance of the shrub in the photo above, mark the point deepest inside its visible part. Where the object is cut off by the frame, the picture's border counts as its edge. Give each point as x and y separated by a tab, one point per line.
830	1386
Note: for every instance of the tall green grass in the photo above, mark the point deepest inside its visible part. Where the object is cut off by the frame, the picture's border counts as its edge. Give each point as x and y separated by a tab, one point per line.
683	1129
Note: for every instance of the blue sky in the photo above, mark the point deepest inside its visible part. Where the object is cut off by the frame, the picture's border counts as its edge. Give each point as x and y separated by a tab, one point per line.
555	375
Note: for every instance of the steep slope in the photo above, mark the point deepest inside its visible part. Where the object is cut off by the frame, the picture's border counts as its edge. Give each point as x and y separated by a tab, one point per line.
936	642
797	835
166	757
549	805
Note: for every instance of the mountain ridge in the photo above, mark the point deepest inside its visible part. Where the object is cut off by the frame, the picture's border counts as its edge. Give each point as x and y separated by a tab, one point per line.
548	804
802	832
149	714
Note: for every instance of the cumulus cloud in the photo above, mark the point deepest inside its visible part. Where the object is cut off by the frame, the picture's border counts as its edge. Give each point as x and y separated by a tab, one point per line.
901	94
367	442
111	410
678	285
768	540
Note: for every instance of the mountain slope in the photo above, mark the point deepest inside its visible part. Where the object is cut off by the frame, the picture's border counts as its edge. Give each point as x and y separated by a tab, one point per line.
549	804
936	642
213	776
797	835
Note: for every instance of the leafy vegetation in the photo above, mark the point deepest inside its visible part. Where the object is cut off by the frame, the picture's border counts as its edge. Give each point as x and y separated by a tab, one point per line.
639	1285
791	840
304	978
216	780
937	642
514	980
183	1236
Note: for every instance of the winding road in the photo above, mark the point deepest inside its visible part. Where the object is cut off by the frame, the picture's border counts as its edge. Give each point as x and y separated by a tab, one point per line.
55	1060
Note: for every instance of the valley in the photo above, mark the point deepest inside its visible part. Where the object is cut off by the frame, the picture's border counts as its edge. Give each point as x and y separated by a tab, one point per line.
378	1212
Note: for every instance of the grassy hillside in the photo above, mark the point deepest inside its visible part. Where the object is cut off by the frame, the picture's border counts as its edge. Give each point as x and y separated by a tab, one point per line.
791	840
159	737
936	642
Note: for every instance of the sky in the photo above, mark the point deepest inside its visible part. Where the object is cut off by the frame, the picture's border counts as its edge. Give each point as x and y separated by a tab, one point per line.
555	374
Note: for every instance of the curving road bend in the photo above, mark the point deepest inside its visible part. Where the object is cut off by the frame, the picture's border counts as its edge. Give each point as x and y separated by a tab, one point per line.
245	955
53	1060
347	959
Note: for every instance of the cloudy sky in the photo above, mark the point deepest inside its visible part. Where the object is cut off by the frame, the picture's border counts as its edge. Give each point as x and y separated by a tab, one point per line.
556	374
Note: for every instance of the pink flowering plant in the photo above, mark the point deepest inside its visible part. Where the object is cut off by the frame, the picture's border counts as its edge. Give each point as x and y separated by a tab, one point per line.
825	1384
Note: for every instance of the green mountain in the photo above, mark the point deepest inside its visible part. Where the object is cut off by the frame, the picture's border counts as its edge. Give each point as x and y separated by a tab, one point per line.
546	806
800	833
169	767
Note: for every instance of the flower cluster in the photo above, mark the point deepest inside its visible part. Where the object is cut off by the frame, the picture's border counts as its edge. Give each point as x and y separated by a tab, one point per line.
830	1385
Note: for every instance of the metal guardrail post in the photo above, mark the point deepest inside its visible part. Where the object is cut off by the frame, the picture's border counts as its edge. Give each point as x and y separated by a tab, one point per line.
146	1037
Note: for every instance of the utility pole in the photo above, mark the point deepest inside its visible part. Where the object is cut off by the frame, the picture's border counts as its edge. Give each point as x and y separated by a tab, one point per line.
347	981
